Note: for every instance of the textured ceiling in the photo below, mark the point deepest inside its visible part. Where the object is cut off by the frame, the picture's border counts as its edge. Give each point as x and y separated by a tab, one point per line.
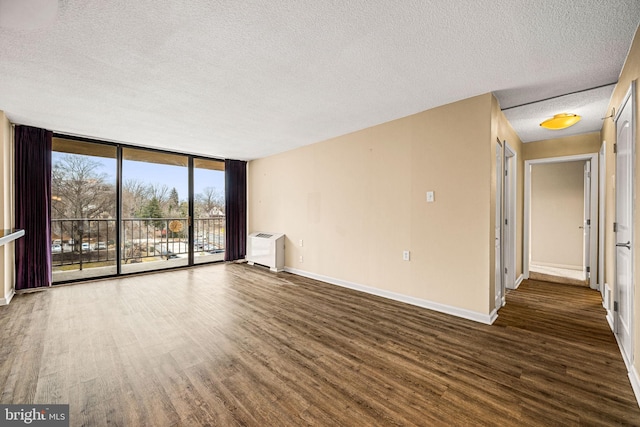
245	79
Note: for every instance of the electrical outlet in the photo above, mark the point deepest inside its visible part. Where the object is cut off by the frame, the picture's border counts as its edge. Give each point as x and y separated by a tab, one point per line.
301	243
406	255
430	196
301	258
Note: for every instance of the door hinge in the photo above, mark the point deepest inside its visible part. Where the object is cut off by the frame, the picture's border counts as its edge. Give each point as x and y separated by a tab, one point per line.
506	172
588	222
588	269
615	227
506	270
615	306
615	148
506	222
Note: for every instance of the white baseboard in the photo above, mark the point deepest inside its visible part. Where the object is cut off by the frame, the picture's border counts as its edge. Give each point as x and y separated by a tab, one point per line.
606	297
606	303
632	373
492	316
552	265
610	320
442	308
635	383
6	300
518	281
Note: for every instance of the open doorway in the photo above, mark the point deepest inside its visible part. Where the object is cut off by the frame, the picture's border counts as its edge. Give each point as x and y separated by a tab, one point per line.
561	220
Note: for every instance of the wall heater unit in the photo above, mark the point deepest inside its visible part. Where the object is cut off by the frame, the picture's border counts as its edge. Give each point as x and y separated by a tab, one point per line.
266	249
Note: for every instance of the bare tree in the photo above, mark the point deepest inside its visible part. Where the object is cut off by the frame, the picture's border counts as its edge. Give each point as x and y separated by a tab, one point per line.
160	192
209	203
135	195
80	190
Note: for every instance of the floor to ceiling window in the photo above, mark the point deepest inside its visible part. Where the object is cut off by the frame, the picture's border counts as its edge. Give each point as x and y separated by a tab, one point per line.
155	210
209	217
169	213
83	210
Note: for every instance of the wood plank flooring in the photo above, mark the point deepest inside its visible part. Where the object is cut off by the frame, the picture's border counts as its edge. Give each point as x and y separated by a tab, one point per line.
234	345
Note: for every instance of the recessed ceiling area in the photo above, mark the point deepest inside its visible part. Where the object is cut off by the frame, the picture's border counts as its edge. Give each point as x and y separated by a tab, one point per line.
248	79
590	104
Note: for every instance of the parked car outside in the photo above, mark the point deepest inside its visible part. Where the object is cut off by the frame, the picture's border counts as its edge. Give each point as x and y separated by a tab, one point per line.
99	245
168	255
86	247
56	248
213	249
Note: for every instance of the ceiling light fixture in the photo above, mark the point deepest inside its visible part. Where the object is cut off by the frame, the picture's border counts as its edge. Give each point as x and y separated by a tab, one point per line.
561	121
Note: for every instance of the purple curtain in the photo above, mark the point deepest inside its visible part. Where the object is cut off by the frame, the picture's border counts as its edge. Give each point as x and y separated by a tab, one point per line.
235	199
33	206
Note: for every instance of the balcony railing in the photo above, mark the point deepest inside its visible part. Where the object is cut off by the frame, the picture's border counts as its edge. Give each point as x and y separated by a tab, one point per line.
86	243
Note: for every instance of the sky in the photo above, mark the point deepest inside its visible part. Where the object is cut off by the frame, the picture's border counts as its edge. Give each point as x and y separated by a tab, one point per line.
153	173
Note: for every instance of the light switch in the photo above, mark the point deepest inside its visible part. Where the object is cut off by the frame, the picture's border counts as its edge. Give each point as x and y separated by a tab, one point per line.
430	196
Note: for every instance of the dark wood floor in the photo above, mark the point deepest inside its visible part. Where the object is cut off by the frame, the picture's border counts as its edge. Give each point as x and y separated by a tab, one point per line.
236	345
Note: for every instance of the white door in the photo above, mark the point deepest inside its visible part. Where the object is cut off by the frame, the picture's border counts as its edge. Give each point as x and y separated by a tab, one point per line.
623	303
586	222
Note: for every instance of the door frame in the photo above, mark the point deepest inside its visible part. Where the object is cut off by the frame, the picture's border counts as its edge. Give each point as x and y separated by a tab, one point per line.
588	228
506	187
602	184
595	223
500	297
509	188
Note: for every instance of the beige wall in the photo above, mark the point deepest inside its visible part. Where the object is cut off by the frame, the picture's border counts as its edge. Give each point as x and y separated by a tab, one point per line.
358	201
559	147
6	207
557	212
630	72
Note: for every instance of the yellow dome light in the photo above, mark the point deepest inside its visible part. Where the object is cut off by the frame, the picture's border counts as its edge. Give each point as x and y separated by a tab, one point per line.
561	121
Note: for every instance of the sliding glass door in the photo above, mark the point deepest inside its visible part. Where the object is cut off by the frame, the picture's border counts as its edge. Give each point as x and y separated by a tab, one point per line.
119	210
155	215
209	217
83	210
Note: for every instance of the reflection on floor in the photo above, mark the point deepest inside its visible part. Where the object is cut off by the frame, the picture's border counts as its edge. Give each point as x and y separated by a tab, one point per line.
557	275
159	264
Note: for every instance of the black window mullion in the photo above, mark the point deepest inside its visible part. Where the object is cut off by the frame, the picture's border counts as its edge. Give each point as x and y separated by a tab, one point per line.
119	222
190	220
